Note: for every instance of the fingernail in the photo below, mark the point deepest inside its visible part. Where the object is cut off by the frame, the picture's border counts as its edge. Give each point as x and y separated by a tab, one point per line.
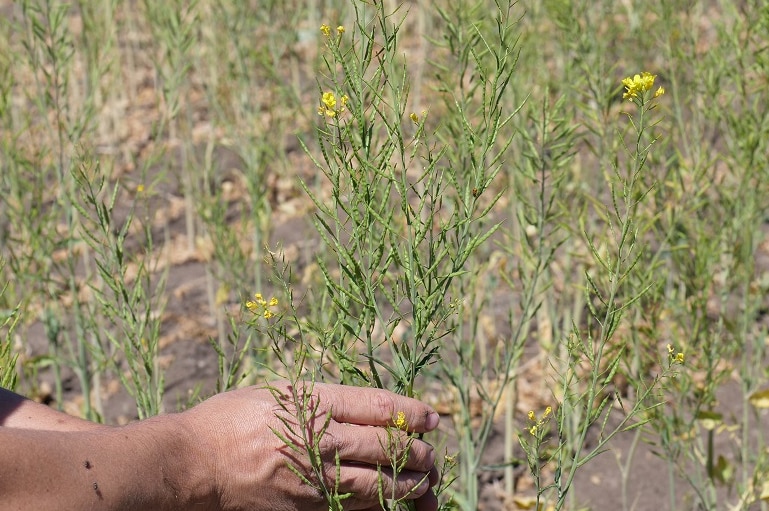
432	421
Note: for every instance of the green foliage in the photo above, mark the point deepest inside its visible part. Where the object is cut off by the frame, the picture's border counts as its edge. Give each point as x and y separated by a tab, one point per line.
8	321
488	211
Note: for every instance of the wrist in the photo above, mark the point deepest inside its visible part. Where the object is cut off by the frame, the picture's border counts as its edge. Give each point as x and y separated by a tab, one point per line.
186	480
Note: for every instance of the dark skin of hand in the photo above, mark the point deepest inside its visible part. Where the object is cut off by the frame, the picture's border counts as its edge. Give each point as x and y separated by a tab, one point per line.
220	455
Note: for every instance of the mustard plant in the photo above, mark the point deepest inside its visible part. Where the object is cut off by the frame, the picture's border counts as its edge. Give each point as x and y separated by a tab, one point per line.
722	284
376	159
8	358
50	58
404	216
608	295
132	303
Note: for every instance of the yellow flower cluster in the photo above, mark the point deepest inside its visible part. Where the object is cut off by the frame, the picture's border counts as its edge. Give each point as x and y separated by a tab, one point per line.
326	30
639	84
328	104
675	357
400	421
261	306
536	424
416	118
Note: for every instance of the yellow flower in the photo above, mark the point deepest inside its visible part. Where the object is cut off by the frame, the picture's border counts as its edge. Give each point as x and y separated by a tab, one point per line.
533	430
400	421
325	30
659	92
140	188
328	99
675	357
414	117
260	306
638	84
328	104
548	411
531	415
326	112
647	81
340	30
630	88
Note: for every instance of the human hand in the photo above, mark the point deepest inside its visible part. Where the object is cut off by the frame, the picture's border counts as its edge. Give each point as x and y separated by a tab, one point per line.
235	435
